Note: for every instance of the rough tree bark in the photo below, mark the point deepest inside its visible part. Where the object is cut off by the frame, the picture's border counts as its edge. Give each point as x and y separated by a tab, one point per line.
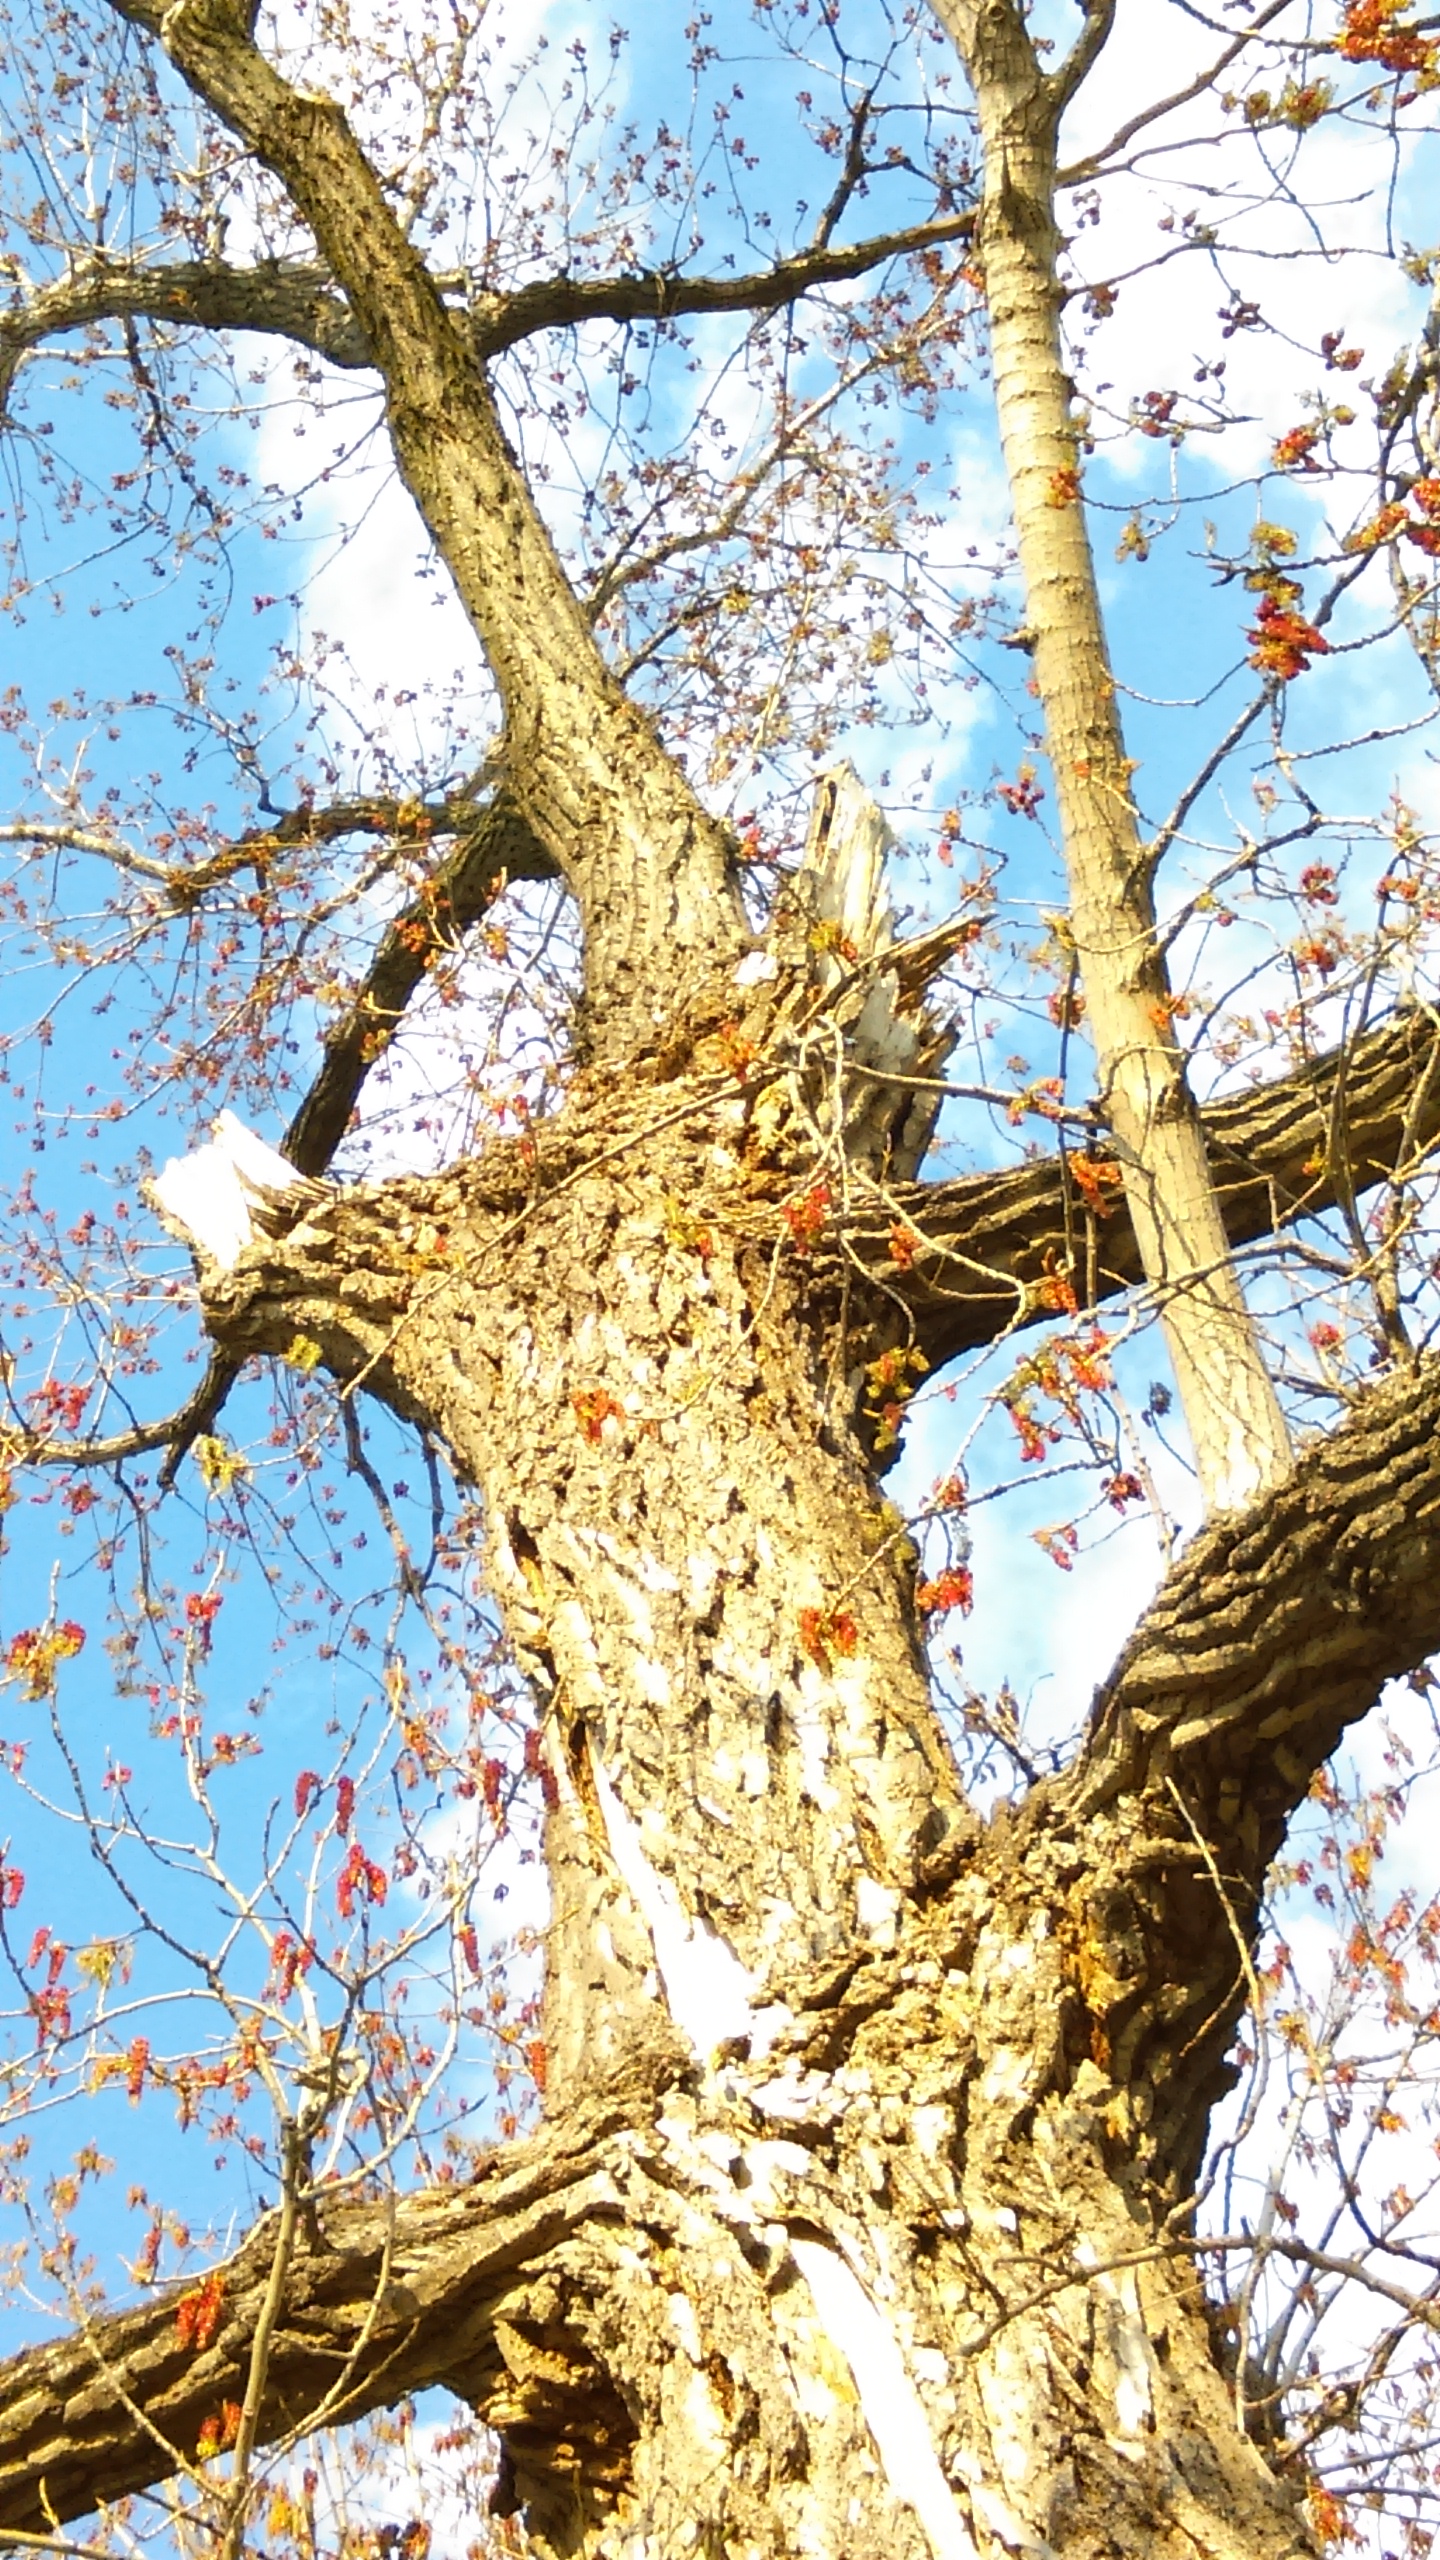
859	2221
995	2120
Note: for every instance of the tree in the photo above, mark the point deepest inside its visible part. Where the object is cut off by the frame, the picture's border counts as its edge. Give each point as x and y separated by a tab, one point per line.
861	2213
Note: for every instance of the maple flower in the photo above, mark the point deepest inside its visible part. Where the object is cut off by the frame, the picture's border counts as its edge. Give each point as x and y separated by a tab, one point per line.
1282	641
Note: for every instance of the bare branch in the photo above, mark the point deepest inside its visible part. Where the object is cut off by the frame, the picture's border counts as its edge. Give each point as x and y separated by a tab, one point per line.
96	2415
991	1241
1084	53
496	846
561	302
175	1431
186	884
1094	161
298	299
277	298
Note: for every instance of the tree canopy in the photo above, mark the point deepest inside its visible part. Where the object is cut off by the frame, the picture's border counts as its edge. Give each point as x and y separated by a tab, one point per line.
721	878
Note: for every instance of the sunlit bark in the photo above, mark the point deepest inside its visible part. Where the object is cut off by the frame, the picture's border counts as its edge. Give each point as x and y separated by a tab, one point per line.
937	2089
869	2123
1239	1434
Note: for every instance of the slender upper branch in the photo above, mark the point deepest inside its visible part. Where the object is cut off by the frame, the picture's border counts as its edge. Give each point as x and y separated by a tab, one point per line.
498	845
1077	171
1085	52
1236	1425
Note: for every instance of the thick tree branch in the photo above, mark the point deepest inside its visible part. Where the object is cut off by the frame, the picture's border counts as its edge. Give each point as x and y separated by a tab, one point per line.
652	871
500	320
389	2296
279	298
1276	1630
298	299
1270	1637
990	1242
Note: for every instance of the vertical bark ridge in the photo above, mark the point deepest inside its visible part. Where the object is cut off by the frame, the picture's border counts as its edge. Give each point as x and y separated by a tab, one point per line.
1239	1435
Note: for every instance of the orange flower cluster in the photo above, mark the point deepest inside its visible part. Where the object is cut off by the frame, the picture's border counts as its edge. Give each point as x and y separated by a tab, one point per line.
824	1633
361	1879
806	1218
594	1409
1391	519
1096	1181
1379	31
197	2314
1282	641
218	2433
952	1589
32	1656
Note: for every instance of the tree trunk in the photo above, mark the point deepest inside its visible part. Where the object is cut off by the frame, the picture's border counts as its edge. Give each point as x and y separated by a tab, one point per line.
910	2262
860	2219
1236	1427
881	2270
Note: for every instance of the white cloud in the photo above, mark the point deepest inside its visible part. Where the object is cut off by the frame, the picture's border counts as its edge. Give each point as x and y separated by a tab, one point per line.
1313	245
